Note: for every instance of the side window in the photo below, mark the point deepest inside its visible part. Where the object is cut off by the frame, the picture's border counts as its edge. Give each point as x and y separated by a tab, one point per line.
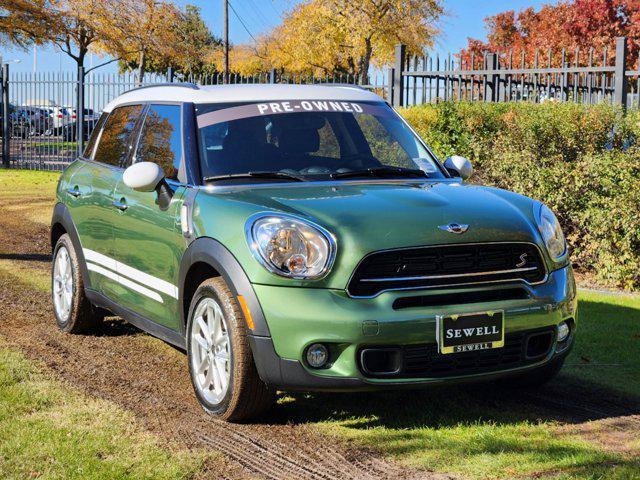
161	139
112	148
88	150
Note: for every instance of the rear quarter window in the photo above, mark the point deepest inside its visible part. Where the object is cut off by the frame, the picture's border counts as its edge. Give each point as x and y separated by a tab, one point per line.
91	144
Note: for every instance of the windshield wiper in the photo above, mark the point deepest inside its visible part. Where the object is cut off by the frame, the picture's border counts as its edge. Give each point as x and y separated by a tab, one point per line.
259	174
382	172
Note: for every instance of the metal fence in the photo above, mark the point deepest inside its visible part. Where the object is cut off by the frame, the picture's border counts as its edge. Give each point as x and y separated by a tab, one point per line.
46	117
584	77
51	115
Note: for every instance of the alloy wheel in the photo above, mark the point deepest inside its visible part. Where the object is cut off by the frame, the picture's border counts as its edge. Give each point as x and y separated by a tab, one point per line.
62	284
210	351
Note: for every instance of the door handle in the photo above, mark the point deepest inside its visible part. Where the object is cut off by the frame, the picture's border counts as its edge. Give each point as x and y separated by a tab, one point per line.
74	192
120	205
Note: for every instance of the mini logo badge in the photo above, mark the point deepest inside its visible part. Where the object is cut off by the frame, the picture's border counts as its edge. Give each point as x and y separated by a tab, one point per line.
523	261
458	228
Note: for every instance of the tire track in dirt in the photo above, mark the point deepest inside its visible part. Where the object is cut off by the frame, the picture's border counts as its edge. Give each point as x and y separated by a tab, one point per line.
151	379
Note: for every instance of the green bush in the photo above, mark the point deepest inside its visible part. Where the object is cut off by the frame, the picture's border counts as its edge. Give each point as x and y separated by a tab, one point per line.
583	161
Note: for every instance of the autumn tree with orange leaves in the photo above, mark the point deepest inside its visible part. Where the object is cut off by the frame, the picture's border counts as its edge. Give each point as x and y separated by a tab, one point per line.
568	25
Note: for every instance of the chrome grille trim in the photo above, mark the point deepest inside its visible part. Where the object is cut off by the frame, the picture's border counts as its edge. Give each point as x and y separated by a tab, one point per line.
455	275
470	284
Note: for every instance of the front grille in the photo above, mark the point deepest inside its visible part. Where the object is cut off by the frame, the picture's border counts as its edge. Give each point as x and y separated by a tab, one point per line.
424	360
449	265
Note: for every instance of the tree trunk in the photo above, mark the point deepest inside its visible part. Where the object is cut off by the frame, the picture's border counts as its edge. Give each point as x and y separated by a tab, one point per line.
82	53
142	60
365	62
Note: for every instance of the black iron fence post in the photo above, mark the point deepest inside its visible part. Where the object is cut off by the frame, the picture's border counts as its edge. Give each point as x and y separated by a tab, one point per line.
6	117
494	85
390	75
620	80
80	112
272	76
501	83
170	74
397	96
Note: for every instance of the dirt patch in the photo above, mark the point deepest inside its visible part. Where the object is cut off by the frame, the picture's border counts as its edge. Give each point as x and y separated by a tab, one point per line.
616	434
151	379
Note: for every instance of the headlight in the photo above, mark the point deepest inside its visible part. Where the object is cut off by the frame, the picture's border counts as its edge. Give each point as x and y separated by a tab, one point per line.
289	246
551	232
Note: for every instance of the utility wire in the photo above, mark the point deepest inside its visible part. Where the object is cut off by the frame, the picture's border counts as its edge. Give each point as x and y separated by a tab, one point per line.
242	21
274	8
258	13
251	15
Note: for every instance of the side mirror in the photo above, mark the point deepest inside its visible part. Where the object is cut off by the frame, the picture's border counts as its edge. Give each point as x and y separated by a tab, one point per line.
459	166
143	176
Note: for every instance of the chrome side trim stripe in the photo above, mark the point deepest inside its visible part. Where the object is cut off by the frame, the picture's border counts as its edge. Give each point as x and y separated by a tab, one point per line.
455	275
124	281
124	270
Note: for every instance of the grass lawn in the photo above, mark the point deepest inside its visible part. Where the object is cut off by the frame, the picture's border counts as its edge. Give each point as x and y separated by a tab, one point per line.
55	143
48	430
27	183
607	352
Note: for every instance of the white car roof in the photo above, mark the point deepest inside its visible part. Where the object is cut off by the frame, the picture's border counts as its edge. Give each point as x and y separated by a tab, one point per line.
242	93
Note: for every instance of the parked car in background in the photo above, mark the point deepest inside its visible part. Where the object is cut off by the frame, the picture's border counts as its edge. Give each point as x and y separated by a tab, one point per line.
306	238
89	114
60	115
69	132
27	121
39	120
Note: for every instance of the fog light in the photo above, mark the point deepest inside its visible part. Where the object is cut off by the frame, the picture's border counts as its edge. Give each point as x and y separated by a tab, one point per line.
317	355
563	331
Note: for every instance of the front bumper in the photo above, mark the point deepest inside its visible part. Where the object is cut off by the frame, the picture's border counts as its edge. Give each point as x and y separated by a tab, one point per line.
299	317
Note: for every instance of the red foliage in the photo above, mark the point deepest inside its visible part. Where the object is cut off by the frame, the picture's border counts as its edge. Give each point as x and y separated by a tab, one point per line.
568	25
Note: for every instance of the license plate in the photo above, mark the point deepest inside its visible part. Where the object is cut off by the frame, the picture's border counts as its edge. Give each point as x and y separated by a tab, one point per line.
468	332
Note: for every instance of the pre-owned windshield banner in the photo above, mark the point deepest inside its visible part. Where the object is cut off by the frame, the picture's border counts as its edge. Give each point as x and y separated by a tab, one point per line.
289	106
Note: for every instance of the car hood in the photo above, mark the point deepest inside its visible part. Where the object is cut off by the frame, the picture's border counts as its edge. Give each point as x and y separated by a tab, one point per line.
369	216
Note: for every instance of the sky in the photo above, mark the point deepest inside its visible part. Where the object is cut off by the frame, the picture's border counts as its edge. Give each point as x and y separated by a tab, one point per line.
253	17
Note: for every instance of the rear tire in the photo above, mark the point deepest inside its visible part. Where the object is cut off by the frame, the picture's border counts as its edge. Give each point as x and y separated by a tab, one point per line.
73	311
221	365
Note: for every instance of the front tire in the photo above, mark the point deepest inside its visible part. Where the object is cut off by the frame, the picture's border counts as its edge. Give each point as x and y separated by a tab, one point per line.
73	311
223	373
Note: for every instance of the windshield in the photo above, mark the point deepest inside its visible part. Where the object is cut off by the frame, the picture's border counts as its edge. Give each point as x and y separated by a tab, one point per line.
310	140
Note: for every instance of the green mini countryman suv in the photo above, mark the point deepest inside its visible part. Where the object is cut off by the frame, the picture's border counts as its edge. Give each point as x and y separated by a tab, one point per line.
304	238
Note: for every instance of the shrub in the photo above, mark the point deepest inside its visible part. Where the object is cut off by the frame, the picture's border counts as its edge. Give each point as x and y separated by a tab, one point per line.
583	161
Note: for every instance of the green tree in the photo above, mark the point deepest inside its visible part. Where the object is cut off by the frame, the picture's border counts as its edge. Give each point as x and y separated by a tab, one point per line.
188	45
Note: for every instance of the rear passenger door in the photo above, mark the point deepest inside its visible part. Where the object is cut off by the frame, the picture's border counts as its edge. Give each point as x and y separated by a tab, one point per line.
148	241
91	194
